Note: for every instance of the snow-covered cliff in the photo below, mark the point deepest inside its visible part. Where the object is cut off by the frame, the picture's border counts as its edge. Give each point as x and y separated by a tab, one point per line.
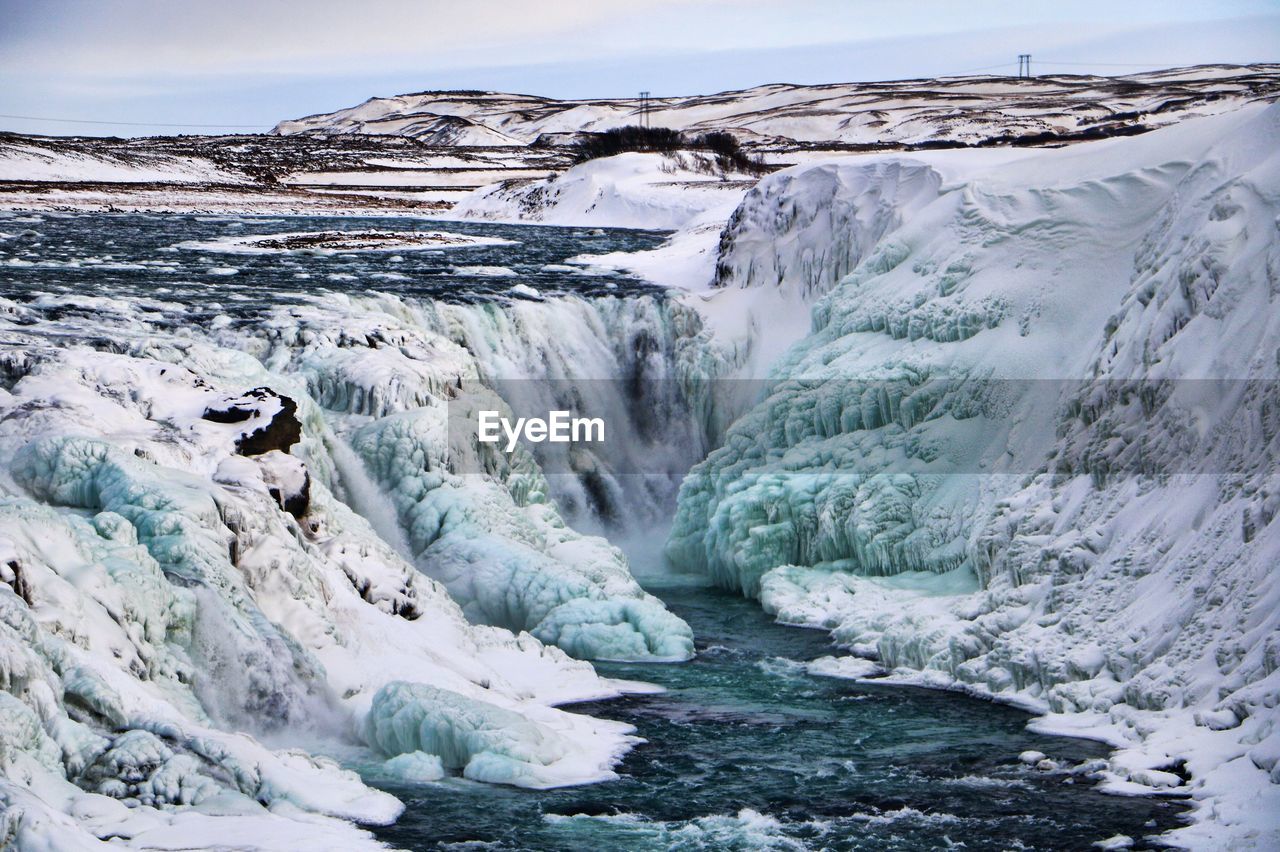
1029	449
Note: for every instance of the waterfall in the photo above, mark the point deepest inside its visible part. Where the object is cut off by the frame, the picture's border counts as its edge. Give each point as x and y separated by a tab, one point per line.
362	494
642	364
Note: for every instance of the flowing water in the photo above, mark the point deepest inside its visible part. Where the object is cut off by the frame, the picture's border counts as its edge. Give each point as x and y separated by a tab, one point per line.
745	749
173	258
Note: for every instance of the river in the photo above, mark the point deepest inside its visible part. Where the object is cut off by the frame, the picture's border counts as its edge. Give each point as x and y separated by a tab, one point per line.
746	750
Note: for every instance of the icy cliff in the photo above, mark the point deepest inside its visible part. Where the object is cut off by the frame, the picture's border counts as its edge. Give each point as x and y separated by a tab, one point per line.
806	229
1029	448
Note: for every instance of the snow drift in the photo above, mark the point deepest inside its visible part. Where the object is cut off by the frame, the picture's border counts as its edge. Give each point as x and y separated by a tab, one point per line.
636	190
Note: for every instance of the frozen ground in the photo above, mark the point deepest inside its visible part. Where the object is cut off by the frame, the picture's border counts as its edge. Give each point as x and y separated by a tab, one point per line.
247	174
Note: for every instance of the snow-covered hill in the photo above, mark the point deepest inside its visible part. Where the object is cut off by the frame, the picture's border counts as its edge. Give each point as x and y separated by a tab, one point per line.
428	151
965	110
1029	448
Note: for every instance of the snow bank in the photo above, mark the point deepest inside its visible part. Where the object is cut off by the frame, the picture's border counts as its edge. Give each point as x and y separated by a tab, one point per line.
657	191
1060	311
33	163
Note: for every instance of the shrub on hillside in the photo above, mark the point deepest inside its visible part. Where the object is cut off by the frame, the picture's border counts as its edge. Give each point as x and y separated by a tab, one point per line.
619	140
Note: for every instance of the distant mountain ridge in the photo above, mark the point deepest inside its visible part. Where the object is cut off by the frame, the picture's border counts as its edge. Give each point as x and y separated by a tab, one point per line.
952	110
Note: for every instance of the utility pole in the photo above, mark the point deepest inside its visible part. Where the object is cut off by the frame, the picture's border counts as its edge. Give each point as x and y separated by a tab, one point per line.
644	109
1024	65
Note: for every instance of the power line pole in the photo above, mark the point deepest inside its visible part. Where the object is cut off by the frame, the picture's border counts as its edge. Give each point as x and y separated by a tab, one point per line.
644	109
1024	65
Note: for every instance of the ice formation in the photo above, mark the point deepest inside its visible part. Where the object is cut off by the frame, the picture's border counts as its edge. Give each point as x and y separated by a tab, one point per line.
503	552
177	563
486	742
988	316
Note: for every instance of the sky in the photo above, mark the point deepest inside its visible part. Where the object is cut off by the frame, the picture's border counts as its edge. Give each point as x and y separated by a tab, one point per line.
139	67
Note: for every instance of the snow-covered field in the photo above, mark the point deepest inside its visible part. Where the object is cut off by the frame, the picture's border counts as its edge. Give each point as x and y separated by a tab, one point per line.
30	163
254	174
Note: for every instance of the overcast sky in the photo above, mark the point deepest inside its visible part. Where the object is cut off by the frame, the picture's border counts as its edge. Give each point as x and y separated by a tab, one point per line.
254	62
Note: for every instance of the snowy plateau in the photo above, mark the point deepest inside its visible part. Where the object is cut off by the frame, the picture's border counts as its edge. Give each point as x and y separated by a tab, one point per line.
946	404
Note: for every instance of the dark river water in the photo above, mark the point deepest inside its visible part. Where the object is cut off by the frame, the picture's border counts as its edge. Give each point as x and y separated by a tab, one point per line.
746	750
161	257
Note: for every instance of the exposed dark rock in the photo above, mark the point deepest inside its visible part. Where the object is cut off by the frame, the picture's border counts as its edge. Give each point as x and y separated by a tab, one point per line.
352	240
296	503
230	414
1178	768
287	480
14	365
241	408
402	601
280	433
12	574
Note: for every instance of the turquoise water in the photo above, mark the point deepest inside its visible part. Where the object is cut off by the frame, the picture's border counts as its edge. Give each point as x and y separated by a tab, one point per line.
747	751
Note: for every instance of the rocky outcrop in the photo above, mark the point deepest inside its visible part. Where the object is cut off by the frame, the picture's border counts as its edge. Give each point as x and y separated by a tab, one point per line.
281	431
